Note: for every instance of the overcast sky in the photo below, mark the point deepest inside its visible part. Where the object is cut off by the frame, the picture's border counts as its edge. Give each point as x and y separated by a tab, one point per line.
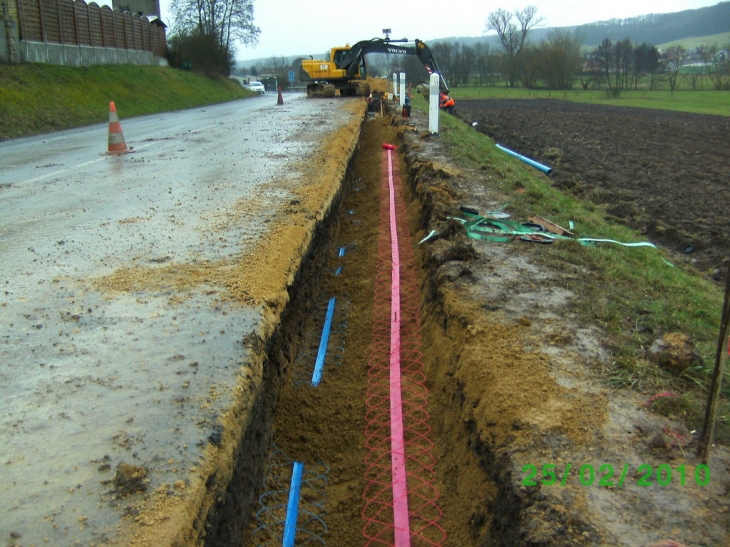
312	27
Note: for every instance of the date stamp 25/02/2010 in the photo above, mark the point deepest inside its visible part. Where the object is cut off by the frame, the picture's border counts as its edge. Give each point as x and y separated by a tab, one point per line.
607	476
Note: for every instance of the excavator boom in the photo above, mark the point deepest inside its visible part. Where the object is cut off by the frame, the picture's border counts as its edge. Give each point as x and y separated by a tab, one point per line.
346	70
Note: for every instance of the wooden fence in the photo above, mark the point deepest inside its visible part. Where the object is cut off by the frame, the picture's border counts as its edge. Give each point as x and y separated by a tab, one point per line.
77	23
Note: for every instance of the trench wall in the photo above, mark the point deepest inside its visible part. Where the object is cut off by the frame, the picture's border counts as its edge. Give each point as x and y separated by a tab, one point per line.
511	515
218	504
229	518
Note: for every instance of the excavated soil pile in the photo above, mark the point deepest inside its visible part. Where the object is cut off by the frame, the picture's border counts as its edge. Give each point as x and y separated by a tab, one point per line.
661	172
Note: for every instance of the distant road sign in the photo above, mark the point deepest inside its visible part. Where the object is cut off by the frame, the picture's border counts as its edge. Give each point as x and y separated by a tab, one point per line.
291	75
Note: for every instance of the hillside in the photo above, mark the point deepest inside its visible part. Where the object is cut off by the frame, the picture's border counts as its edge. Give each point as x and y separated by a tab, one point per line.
654	29
37	98
660	28
708	24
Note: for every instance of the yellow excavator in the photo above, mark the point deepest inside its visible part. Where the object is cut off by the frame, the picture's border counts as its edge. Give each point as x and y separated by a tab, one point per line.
346	71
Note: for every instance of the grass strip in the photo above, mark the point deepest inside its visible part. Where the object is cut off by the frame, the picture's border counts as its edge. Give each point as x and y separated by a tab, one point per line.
705	101
36	98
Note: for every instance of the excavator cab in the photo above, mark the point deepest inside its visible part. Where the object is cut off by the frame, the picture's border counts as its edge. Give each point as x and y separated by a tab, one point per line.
338	57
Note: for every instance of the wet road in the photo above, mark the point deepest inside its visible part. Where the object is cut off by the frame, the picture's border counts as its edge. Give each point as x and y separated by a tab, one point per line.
99	363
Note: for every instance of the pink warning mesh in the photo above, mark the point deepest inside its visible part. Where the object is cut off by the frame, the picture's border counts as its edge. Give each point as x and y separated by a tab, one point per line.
384	521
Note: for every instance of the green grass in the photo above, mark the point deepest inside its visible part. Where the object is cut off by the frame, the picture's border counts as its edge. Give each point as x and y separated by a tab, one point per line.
39	98
683	100
720	40
631	293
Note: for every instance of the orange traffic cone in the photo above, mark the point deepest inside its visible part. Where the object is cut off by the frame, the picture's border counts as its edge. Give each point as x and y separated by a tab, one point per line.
116	137
280	100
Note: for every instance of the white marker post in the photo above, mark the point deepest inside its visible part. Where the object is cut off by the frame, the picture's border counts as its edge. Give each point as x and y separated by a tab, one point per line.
395	85
402	89
433	103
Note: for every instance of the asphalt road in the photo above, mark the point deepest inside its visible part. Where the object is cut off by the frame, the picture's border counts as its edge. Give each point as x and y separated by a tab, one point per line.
91	376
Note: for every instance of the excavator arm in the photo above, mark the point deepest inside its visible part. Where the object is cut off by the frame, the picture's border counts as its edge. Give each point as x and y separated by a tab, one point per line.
355	57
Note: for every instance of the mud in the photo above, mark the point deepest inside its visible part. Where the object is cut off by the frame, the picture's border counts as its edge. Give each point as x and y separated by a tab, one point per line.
512	383
661	172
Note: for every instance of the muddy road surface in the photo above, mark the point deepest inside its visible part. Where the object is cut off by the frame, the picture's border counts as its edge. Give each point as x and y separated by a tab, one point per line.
136	291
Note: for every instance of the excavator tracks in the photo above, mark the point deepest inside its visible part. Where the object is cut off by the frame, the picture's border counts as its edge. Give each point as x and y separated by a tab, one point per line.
319	91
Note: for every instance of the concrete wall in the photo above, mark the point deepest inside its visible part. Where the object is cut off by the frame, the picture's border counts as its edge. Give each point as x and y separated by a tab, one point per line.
69	55
8	39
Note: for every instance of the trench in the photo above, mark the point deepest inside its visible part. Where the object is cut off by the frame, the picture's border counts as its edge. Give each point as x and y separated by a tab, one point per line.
325	426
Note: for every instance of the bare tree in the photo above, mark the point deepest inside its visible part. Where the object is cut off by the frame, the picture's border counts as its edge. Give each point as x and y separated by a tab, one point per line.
602	58
227	21
718	67
623	59
530	64
462	64
512	36
444	53
673	58
276	67
484	62
561	59
646	62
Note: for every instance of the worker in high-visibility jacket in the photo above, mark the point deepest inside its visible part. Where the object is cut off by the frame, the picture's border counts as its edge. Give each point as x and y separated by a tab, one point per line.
446	103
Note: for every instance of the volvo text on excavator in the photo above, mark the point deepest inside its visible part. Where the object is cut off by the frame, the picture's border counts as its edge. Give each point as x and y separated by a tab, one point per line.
346	70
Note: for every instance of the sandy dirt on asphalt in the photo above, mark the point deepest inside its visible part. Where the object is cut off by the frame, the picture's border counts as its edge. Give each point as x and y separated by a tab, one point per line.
261	278
153	485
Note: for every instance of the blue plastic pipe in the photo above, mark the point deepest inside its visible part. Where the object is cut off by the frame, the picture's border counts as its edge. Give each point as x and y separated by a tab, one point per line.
292	508
322	353
544	168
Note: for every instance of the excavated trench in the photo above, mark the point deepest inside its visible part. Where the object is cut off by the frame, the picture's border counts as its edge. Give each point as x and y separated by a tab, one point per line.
324	426
494	403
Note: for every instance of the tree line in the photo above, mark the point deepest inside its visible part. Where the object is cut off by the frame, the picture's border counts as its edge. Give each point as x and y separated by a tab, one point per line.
206	31
559	62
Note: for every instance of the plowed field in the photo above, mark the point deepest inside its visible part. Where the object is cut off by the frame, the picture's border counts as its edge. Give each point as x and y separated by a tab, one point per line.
662	172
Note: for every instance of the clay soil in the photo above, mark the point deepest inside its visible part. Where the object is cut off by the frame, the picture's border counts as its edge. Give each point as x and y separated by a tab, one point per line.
524	372
512	375
661	172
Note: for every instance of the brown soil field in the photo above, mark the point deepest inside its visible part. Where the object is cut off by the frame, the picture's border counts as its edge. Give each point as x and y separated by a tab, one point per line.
661	172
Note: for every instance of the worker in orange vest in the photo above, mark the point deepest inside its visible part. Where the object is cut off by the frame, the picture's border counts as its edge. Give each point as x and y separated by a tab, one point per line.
446	103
